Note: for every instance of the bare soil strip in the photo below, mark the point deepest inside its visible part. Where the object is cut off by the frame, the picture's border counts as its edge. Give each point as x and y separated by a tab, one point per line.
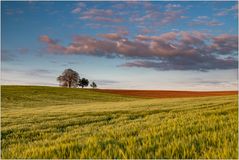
167	94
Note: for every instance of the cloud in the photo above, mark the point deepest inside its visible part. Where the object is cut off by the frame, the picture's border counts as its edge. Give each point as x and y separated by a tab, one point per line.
156	17
227	11
171	16
23	50
76	10
9	81
29	76
45	38
100	15
52	44
12	12
202	17
117	12
213	82
9	55
122	30
199	63
225	44
204	21
173	50
98	12
119	6
7	58
106	82
38	72
163	37
32	72
111	36
6	55
81	4
146	30
172	6
107	19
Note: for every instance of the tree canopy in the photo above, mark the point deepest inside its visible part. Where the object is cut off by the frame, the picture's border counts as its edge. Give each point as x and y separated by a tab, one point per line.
69	78
83	82
93	85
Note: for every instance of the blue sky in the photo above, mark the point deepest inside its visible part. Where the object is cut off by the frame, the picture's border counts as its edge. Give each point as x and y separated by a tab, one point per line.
126	45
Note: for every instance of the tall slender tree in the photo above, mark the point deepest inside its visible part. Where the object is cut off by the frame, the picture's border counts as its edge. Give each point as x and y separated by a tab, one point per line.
93	85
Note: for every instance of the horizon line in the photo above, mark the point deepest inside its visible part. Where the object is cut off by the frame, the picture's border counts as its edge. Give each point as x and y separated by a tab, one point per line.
237	90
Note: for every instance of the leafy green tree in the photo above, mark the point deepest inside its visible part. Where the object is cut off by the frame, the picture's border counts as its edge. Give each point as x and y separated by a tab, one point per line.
83	82
69	78
93	85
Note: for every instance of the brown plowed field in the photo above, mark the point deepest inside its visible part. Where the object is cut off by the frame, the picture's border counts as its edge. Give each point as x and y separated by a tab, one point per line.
167	94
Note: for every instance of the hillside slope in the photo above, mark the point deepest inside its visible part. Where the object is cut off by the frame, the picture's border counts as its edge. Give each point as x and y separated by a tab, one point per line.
76	125
34	96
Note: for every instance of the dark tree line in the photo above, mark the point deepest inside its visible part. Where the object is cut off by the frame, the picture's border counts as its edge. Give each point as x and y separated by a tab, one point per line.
71	79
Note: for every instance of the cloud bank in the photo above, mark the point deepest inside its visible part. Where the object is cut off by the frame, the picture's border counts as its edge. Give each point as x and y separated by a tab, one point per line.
169	51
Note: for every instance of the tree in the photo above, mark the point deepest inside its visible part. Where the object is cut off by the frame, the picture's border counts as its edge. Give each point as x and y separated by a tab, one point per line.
93	85
68	78
83	82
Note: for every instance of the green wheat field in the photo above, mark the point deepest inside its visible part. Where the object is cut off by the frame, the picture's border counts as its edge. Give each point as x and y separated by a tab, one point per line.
53	122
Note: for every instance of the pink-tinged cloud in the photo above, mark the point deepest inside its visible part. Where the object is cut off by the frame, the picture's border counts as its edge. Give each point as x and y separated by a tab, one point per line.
193	38
53	45
111	36
172	48
225	44
98	12
107	19
122	30
146	31
47	39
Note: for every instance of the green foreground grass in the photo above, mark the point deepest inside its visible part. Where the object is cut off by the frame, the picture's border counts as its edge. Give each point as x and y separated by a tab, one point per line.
48	122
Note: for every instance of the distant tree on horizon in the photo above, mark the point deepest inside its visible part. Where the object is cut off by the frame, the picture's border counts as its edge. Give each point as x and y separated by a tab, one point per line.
83	82
93	85
69	78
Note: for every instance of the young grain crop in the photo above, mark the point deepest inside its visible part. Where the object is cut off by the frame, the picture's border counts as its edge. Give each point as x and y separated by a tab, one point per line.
86	124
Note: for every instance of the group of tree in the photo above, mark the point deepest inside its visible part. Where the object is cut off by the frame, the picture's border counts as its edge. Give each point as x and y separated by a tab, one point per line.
71	79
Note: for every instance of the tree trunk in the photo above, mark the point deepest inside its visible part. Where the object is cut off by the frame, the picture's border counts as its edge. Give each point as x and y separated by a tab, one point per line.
70	84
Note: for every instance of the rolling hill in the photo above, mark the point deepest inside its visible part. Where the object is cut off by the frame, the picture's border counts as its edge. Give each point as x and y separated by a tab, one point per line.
53	122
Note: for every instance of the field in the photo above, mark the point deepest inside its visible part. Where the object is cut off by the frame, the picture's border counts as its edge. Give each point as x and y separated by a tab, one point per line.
52	122
166	94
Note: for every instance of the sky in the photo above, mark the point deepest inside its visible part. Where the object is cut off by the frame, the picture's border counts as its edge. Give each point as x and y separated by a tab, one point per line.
122	45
